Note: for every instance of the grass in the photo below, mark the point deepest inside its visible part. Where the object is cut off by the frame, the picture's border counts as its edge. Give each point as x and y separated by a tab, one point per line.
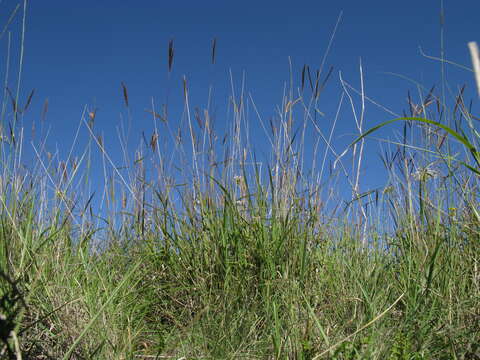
242	263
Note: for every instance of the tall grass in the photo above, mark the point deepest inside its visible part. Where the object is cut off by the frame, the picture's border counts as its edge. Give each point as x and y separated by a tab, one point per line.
240	260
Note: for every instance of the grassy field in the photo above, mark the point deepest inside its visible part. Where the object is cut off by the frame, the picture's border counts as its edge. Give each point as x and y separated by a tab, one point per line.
242	263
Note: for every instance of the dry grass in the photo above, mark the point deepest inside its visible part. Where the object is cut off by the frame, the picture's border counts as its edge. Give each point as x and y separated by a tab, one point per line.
205	251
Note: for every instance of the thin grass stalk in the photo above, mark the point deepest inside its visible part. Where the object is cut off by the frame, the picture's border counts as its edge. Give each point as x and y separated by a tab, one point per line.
475	55
20	67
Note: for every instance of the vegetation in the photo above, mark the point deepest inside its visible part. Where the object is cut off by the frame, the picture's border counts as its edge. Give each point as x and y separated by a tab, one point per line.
224	260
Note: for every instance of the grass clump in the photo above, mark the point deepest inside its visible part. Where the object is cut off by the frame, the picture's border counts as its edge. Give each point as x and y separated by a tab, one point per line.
223	260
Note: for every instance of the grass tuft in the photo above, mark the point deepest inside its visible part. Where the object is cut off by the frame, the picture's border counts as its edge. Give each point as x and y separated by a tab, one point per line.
207	252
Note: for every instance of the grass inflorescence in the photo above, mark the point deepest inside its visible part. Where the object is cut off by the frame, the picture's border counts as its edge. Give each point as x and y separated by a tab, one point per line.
223	259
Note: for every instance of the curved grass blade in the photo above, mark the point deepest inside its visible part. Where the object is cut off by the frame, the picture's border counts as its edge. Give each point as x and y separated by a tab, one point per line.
460	137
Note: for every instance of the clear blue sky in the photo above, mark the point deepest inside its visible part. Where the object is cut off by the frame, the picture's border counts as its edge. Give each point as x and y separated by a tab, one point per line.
77	53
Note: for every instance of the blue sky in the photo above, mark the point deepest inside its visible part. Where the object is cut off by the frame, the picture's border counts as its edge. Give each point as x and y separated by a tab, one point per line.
78	53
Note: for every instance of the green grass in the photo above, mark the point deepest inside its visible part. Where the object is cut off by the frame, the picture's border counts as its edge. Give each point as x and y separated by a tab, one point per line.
242	263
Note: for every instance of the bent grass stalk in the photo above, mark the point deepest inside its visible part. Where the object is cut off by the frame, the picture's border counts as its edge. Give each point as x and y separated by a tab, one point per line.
374	320
461	137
